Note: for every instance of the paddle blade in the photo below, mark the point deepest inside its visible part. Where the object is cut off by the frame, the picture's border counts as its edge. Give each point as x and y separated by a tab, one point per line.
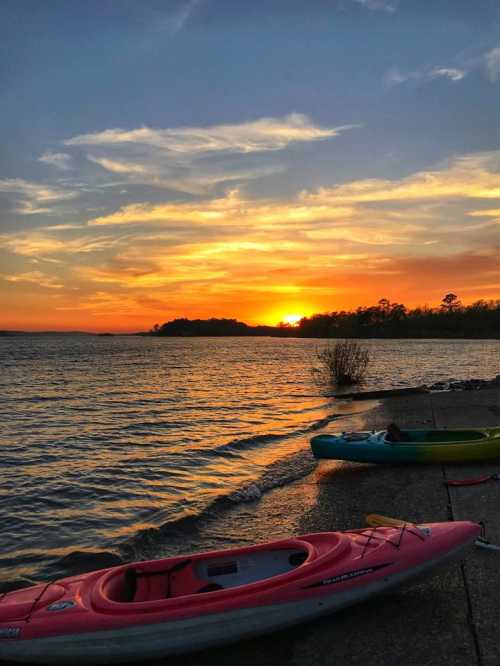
376	520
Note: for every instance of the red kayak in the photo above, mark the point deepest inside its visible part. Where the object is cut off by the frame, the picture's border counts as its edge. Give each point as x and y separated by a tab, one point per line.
180	604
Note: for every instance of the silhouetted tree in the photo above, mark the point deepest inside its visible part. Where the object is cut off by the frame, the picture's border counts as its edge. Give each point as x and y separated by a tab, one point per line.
450	303
384	320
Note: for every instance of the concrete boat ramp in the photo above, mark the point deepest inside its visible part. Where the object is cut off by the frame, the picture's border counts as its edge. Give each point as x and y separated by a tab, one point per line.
449	618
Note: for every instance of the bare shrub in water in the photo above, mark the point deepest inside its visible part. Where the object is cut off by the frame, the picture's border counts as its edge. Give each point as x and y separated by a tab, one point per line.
345	362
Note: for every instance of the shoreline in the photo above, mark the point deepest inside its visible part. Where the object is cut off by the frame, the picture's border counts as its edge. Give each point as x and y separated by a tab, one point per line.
441	386
448	618
9	333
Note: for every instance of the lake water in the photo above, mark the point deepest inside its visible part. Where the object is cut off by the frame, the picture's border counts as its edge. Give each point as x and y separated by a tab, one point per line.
110	444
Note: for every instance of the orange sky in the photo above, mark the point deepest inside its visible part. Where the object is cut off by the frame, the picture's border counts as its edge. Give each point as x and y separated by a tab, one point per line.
258	260
411	240
179	177
126	300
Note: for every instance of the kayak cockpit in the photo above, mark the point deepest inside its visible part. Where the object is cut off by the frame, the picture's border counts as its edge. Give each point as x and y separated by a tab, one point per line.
438	437
148	582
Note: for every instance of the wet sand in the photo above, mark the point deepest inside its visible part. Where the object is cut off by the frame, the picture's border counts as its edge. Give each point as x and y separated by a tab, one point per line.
447	618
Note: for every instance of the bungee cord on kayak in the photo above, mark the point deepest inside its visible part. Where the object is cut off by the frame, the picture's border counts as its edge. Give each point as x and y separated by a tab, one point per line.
37	599
375	535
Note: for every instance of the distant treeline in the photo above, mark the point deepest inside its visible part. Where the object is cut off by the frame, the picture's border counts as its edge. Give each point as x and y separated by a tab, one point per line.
394	320
384	320
214	327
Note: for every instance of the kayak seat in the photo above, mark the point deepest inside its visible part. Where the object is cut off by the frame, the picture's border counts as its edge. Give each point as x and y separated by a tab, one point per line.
395	435
188	581
129	588
210	587
296	559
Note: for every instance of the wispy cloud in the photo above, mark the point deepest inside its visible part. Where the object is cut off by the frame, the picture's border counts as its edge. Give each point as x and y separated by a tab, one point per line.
231	210
468	177
452	73
265	134
60	160
38	244
60	227
189	178
170	18
233	248
115	166
485	63
490	212
492	61
29	208
379	5
195	159
395	76
35	191
35	277
370	212
200	181
30	198
179	19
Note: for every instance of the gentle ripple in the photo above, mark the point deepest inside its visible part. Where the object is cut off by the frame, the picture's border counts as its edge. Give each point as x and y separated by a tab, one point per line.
106	439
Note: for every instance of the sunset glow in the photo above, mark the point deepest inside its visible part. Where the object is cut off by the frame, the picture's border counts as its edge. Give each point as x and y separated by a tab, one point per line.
292	319
325	186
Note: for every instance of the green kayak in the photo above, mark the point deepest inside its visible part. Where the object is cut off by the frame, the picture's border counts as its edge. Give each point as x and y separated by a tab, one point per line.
414	446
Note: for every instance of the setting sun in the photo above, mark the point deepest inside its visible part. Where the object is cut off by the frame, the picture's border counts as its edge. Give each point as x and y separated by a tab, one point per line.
292	319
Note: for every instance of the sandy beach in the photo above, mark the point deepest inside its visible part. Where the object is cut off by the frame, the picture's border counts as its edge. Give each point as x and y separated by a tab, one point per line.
447	618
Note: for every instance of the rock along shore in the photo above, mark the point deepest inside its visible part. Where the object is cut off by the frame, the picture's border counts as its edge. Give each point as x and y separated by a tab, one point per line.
448	385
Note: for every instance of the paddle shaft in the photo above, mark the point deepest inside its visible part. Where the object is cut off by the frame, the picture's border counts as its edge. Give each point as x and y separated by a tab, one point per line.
376	520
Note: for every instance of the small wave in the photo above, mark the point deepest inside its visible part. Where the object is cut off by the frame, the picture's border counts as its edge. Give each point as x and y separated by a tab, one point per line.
137	428
47	398
255	440
277	475
282	472
248	442
15	462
